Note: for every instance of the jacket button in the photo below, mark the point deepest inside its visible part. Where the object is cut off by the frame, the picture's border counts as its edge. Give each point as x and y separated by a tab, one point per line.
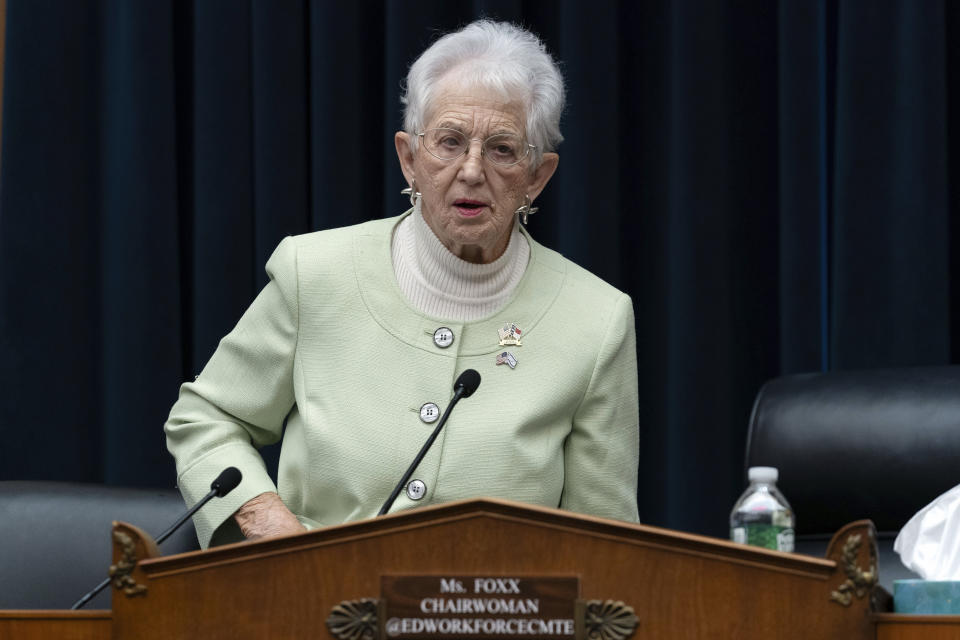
429	413
443	337
416	489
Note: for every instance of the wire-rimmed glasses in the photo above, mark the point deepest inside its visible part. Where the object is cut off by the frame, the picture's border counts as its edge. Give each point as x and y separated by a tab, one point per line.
502	149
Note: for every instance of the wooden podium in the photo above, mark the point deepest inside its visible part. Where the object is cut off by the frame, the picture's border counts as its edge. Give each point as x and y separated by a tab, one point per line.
609	581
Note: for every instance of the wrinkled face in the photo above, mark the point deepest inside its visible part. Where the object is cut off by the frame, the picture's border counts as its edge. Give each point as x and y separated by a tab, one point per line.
469	202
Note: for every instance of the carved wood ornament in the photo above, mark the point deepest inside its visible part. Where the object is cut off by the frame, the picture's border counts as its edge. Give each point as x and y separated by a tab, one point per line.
120	572
860	582
355	620
608	620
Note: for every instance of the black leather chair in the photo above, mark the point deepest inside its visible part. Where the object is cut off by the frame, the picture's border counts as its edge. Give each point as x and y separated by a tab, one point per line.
878	444
55	538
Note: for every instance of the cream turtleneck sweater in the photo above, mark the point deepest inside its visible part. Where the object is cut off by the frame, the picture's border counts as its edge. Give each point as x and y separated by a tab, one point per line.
440	284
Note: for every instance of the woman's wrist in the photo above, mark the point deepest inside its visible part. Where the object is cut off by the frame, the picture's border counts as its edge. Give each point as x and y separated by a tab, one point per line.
266	516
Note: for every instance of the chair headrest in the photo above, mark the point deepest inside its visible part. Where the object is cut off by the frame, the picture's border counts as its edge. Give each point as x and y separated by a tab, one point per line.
55	537
877	444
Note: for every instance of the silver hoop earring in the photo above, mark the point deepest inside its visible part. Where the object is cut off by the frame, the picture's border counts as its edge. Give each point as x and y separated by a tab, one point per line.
525	210
413	193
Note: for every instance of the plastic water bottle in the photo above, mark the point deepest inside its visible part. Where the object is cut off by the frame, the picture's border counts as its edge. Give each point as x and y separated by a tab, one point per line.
762	516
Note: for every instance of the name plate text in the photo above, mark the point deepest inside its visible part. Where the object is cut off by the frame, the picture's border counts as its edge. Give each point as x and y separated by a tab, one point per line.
442	607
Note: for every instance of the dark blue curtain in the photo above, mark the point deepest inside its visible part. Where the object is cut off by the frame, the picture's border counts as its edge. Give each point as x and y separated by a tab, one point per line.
775	184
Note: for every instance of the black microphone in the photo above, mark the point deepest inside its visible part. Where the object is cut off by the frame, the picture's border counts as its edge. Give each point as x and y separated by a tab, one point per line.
464	387
468	382
224	483
227	481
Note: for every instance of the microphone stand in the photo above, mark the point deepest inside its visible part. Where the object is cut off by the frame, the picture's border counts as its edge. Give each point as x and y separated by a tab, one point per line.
457	394
163	536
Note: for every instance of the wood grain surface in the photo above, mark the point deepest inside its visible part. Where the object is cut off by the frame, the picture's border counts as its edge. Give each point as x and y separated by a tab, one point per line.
892	626
681	586
36	624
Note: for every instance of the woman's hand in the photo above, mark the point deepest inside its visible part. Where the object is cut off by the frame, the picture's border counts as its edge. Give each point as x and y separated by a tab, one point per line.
266	517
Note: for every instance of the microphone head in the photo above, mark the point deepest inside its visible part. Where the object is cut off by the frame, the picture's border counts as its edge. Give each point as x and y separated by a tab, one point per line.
227	481
469	380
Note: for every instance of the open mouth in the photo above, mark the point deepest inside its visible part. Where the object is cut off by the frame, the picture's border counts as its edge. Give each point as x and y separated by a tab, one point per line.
469	207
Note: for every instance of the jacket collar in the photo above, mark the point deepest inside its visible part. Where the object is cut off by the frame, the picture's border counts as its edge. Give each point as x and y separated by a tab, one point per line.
533	297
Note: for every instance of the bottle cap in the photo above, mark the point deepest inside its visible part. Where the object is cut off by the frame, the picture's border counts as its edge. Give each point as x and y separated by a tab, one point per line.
763	474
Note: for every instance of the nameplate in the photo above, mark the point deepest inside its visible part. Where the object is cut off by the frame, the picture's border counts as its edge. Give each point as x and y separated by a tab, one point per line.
478	606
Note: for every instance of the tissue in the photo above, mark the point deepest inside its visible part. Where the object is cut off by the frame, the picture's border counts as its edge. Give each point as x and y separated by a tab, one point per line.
929	544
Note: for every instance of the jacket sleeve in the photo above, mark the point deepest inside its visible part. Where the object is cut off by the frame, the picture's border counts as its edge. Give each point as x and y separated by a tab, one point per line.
601	453
238	403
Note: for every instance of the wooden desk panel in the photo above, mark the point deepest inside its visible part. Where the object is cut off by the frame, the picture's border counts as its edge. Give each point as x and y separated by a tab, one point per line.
681	586
37	624
96	625
896	626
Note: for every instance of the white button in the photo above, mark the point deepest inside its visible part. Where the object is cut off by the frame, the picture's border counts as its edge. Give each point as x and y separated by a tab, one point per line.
443	337
429	412
416	489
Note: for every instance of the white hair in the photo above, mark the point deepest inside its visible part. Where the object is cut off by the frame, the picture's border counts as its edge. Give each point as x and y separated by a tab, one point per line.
496	56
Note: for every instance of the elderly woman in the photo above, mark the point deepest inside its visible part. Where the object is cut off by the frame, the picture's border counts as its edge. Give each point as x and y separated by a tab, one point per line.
356	341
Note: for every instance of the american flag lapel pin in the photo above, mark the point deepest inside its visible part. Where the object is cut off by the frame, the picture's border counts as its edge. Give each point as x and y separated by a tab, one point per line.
508	359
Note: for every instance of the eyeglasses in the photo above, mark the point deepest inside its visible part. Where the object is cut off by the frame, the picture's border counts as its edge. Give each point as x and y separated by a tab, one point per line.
502	149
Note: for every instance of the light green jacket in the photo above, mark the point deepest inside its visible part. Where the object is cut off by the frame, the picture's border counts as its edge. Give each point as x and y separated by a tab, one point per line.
332	347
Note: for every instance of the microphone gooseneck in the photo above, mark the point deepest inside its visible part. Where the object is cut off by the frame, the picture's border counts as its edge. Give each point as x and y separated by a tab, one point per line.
223	484
467	382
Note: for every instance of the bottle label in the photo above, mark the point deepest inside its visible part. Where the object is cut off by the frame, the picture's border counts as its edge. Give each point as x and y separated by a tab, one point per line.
785	540
768	536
